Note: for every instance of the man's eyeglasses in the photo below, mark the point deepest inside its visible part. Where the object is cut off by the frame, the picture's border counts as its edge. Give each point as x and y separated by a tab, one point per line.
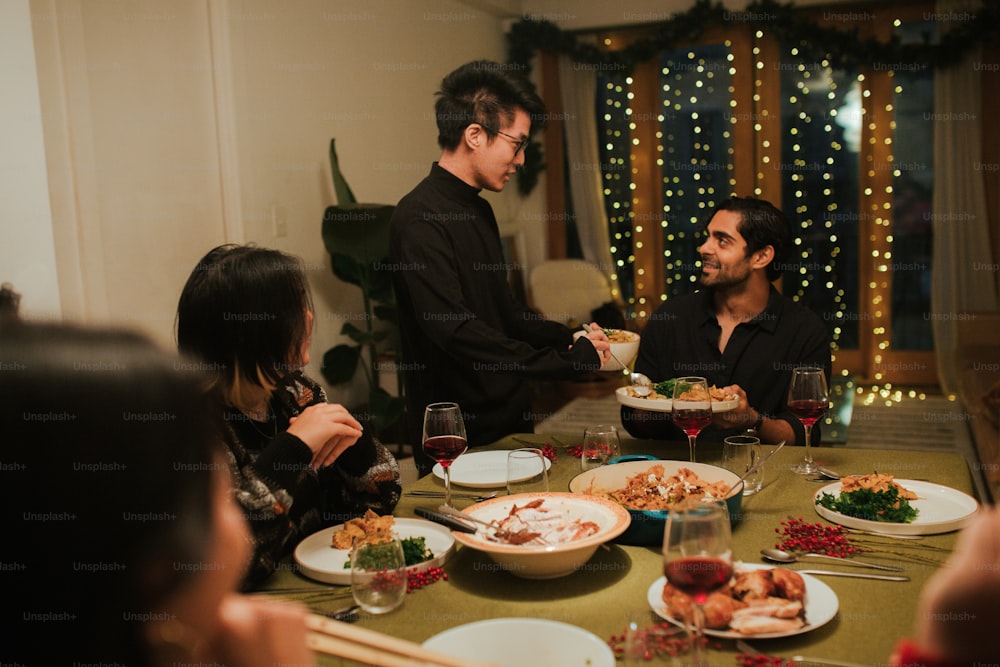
520	145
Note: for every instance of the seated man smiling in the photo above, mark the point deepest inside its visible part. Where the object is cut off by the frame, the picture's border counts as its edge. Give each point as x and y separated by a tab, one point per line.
738	331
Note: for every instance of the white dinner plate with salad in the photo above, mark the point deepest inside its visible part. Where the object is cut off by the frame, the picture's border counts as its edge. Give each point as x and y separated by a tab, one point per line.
317	559
488	470
666	404
940	509
821	606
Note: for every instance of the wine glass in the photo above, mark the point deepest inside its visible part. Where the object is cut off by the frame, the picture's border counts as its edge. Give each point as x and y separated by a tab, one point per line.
444	438
697	560
808	399
600	445
691	407
378	576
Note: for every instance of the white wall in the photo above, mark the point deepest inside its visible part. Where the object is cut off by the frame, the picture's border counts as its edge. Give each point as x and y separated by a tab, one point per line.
27	254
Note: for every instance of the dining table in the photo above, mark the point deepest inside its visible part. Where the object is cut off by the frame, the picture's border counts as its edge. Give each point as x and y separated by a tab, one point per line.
610	590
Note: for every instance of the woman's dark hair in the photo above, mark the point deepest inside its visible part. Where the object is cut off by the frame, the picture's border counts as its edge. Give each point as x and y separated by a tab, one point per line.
242	313
108	449
761	225
483	92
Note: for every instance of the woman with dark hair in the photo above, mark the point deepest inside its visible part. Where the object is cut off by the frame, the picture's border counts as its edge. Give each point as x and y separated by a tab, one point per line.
127	544
298	462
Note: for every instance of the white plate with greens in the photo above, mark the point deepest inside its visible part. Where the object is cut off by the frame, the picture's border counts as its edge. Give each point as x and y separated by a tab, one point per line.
940	509
317	559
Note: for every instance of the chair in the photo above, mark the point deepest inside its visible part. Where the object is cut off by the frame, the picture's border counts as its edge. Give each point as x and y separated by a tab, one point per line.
568	290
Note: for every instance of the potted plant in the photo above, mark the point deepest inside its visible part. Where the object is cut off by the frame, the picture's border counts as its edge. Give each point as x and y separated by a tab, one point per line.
356	236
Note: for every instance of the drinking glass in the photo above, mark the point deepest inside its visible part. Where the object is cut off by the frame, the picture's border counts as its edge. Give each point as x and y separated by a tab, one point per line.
378	576
808	399
697	560
526	471
444	438
691	407
739	454
600	445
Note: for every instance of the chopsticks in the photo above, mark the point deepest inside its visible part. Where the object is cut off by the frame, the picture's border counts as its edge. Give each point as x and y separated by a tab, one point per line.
374	648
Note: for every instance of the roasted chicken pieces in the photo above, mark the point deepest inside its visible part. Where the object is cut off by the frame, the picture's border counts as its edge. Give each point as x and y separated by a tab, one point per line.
754	602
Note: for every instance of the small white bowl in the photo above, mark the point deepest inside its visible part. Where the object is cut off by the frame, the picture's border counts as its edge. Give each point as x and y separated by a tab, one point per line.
516	642
541	561
625	352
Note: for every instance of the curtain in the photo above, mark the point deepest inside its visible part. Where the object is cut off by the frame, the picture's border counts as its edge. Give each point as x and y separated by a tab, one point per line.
578	90
960	222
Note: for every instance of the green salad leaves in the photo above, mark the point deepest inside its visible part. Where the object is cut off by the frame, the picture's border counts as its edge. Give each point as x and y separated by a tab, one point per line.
414	551
886	506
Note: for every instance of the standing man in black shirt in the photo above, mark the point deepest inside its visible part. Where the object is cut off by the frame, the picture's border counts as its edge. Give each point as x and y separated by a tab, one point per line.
737	332
464	337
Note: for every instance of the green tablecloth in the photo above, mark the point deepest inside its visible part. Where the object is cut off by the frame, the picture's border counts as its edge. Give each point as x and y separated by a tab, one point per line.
612	589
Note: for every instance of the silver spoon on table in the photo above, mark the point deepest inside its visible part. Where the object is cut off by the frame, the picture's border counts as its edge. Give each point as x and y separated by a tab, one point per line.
779	556
641	385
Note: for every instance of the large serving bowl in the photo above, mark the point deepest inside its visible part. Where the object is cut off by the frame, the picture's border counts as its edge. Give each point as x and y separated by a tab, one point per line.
646	527
540	561
625	352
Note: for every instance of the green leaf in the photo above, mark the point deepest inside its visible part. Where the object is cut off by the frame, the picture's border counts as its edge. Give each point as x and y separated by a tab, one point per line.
358	230
340	186
385	409
386	313
346	268
340	363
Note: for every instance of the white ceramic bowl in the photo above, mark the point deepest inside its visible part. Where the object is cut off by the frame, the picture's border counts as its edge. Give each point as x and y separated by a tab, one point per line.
547	562
624	351
517	642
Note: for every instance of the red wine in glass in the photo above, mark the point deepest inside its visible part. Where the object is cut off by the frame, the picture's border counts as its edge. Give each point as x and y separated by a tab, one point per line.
445	448
444	438
692	421
691	408
807	411
808	398
698	576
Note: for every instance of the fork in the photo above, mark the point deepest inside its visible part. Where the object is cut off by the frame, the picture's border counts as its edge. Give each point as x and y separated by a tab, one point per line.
440	494
743	647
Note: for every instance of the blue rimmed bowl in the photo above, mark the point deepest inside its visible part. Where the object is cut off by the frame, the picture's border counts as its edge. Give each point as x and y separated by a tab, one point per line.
646	528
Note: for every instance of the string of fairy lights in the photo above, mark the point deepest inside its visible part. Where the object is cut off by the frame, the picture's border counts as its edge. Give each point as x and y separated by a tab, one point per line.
833	158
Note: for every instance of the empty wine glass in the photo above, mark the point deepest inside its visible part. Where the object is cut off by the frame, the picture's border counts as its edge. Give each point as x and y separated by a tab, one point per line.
444	438
691	407
698	560
808	399
600	445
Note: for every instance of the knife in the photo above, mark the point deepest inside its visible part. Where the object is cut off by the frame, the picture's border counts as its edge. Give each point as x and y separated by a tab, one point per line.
856	575
444	519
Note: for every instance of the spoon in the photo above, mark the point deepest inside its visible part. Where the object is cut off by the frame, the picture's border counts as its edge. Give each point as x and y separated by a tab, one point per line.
587	329
779	556
641	385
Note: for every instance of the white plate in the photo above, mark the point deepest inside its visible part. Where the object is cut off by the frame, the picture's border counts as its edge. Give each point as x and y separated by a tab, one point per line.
821	606
486	470
942	509
318	560
515	642
666	404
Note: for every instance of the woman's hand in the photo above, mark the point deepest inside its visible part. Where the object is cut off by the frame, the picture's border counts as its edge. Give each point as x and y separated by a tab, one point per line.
600	341
259	633
327	429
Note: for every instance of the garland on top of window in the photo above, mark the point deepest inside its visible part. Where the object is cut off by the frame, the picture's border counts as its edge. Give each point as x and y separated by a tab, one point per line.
785	22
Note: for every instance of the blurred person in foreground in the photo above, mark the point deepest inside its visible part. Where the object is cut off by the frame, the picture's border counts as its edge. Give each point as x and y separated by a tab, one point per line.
128	544
464	336
959	605
299	463
738	331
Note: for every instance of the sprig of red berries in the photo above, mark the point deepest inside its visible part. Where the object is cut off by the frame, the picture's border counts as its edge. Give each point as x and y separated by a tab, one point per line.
575	450
797	536
657	640
549	452
417	580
